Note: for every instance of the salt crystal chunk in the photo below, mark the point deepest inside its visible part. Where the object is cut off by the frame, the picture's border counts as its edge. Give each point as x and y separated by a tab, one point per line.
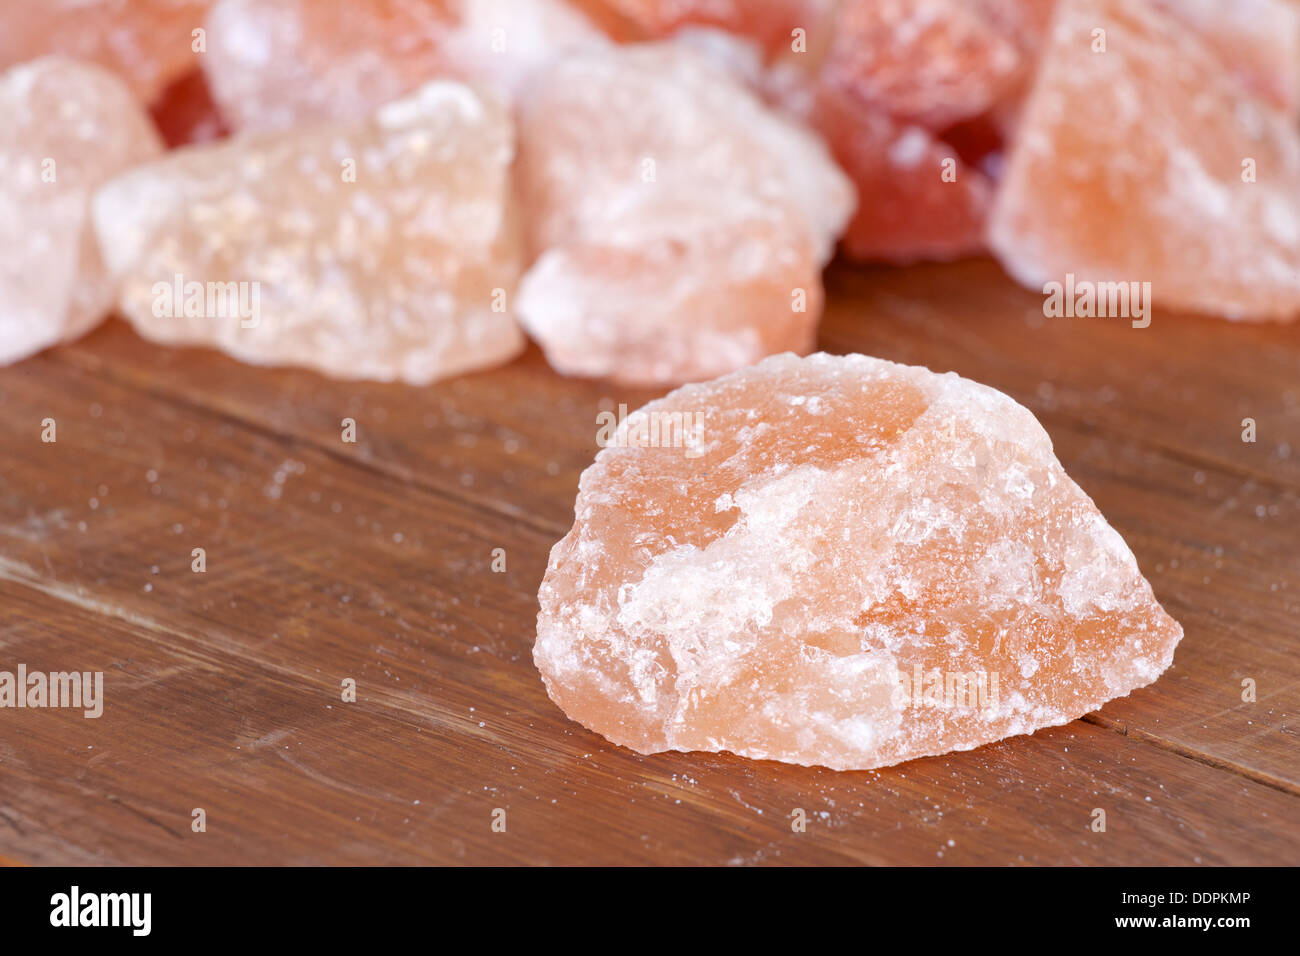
680	223
1259	40
275	63
149	43
928	62
846	562
770	22
1150	162
919	200
381	249
68	127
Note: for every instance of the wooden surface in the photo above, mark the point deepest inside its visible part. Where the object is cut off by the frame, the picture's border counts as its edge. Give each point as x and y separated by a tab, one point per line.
372	561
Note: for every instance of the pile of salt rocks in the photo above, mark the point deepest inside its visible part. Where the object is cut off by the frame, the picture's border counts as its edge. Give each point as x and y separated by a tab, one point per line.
650	190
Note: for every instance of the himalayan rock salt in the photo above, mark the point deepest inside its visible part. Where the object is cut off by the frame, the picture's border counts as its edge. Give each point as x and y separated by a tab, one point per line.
275	63
1258	39
185	113
771	22
147	42
680	223
1149	162
839	561
382	249
919	200
67	127
927	62
501	44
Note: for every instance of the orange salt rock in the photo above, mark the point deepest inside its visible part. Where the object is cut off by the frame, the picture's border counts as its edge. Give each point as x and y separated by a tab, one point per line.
275	63
680	225
1150	162
839	561
917	199
148	43
928	62
67	128
382	249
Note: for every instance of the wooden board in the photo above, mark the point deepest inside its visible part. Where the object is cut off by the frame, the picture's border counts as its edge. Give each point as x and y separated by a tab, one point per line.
372	561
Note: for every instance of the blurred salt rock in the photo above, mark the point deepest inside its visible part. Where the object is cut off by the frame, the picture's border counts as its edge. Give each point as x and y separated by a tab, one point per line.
67	127
778	564
1151	162
918	199
381	249
1258	39
149	43
680	225
185	112
775	24
500	44
275	63
925	62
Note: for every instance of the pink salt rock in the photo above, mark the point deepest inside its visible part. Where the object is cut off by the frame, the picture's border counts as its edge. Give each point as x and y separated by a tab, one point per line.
67	127
275	63
770	22
1150	162
918	199
839	561
382	249
1259	40
680	224
149	43
926	62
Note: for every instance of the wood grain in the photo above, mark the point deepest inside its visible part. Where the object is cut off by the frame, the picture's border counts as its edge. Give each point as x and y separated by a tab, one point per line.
372	560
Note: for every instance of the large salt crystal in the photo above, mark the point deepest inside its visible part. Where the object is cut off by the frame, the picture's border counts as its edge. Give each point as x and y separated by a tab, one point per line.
680	224
149	43
381	249
67	127
1151	162
839	561
275	63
